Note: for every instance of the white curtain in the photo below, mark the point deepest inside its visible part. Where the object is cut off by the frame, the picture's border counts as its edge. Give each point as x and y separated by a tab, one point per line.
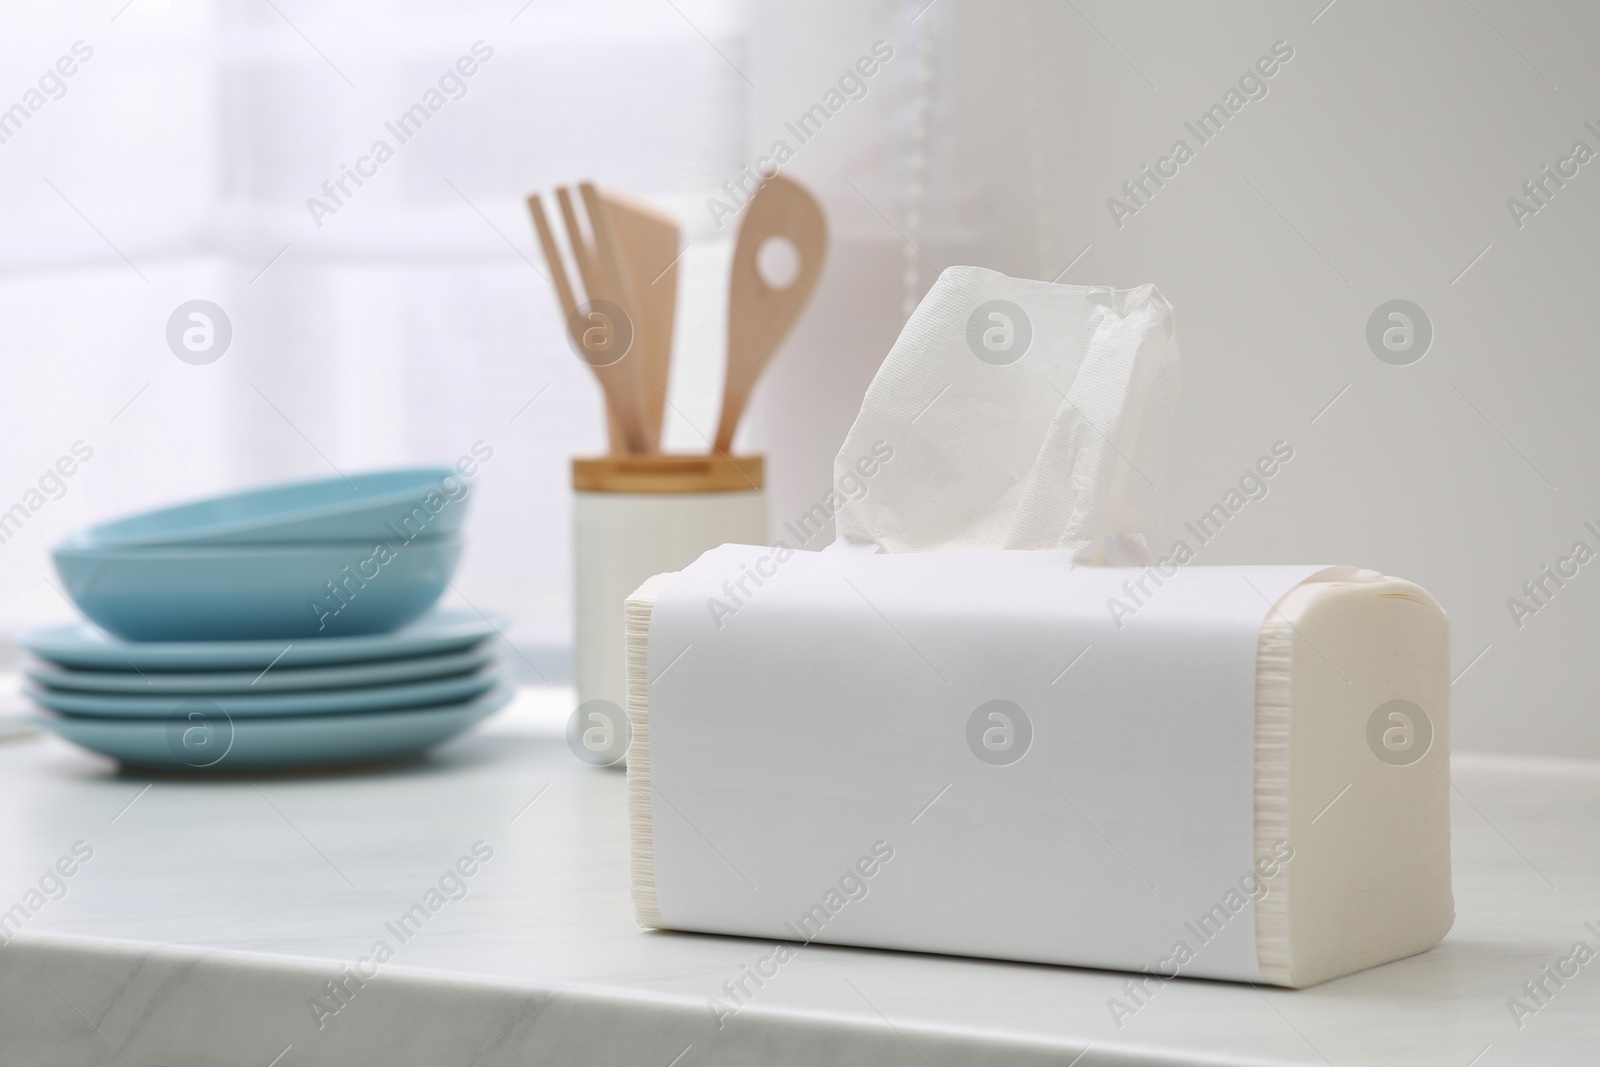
175	163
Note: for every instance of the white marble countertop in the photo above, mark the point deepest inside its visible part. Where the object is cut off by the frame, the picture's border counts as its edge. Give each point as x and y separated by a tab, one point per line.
212	913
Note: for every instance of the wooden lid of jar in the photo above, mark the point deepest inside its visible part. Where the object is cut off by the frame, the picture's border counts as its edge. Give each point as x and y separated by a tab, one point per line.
657	473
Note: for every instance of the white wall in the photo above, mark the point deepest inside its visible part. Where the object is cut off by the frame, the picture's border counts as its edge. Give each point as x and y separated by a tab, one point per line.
1378	166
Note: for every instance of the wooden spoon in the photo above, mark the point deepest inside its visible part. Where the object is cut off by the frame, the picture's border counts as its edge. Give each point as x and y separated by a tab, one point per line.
759	315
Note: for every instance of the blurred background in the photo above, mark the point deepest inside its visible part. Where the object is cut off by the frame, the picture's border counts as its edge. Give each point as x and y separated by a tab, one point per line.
1378	162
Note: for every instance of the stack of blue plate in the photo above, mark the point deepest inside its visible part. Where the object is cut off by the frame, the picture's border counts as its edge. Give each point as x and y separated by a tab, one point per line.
281	628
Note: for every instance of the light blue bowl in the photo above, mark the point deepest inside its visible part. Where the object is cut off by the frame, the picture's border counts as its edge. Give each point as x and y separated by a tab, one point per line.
421	502
234	592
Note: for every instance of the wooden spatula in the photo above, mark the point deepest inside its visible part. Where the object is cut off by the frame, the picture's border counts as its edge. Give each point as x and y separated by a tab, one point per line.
759	315
649	242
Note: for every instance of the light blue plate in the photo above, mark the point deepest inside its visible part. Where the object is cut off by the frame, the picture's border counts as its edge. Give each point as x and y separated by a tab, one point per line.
80	645
240	592
277	680
213	746
272	705
377	505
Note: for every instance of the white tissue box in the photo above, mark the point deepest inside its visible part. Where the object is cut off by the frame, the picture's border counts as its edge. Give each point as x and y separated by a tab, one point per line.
978	753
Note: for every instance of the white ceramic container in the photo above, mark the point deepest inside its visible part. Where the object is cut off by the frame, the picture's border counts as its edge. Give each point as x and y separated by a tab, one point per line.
636	516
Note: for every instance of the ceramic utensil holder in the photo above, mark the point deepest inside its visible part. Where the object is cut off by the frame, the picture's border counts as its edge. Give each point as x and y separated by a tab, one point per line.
639	515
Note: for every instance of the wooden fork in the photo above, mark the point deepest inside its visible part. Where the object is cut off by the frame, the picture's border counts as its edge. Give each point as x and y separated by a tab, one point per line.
595	330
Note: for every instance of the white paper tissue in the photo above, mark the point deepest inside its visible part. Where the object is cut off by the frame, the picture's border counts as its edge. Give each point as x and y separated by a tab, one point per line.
1205	787
1023	414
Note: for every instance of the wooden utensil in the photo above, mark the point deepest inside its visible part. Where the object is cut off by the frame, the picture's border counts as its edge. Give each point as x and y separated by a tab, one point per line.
760	315
603	260
649	245
601	274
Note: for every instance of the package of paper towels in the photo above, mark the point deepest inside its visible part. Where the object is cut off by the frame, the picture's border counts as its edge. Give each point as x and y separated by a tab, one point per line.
932	737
